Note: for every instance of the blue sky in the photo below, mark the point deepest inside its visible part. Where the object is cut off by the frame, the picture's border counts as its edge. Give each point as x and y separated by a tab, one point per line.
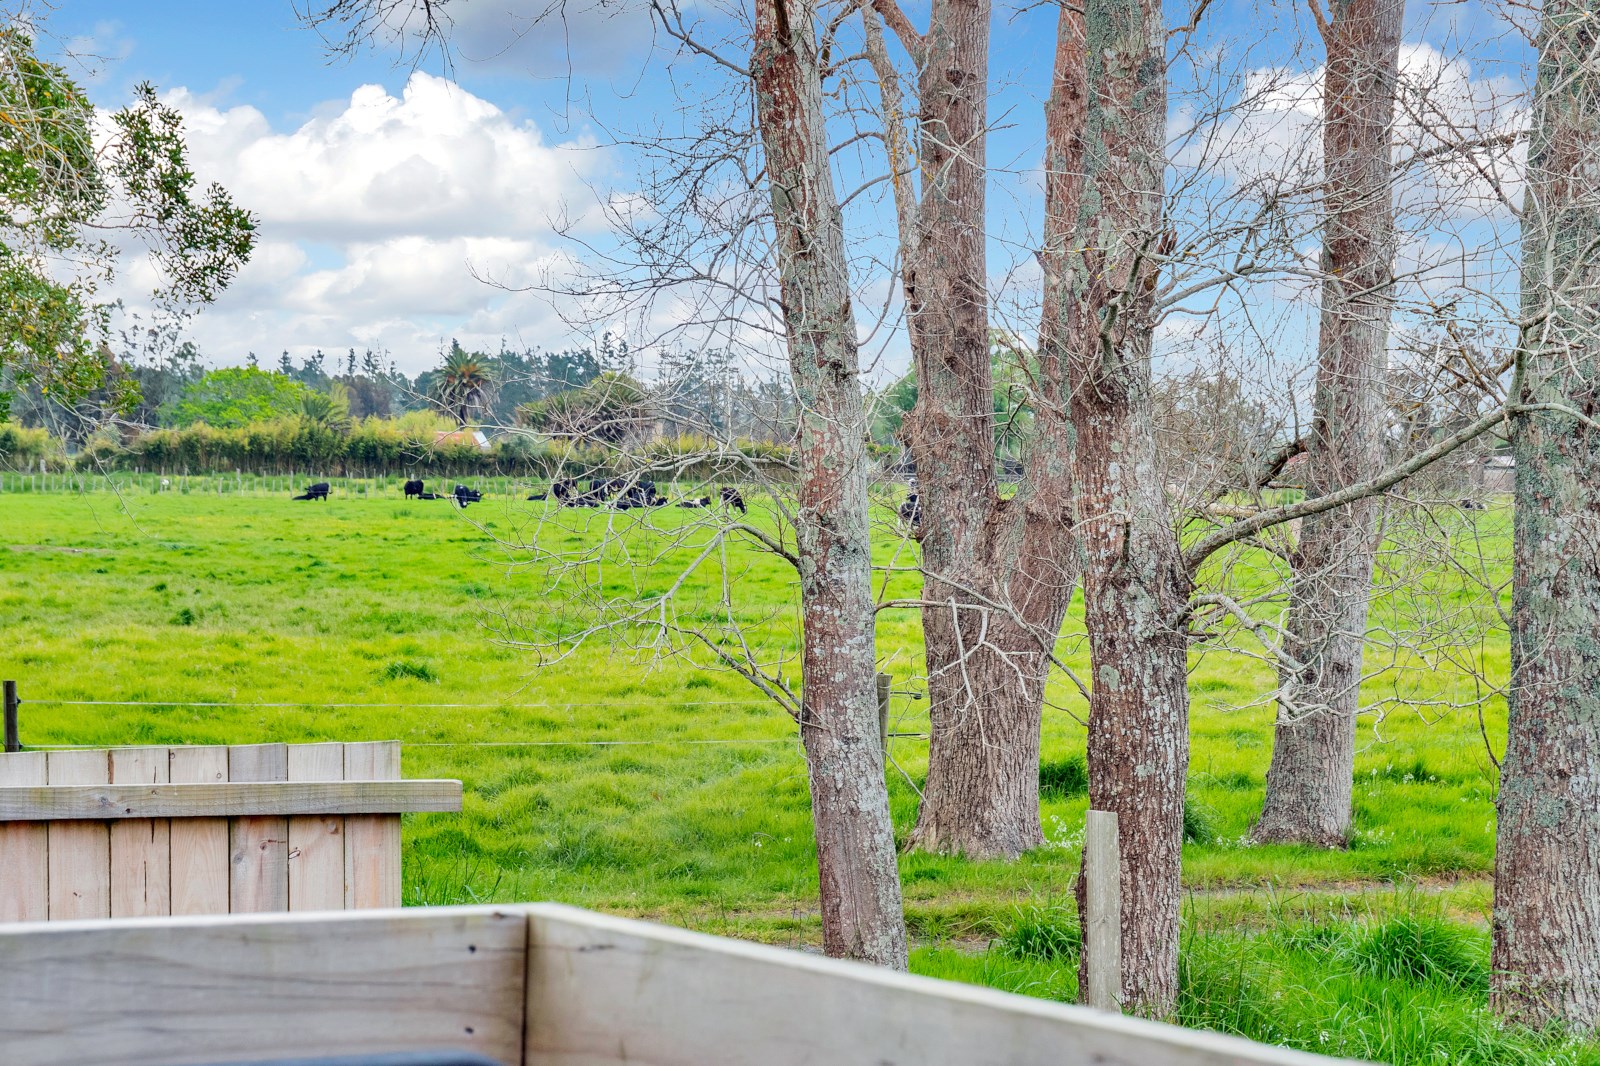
382	189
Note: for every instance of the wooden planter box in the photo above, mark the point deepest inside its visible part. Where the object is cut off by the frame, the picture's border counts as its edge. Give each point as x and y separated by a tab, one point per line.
137	832
523	986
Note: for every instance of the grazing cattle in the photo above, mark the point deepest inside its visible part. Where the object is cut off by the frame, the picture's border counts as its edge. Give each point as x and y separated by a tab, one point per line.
319	491
413	488
1472	505
464	496
593	496
911	510
733	498
561	490
704	501
640	495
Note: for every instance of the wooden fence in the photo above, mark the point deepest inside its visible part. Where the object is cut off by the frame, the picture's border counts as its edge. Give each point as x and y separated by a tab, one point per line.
135	832
540	985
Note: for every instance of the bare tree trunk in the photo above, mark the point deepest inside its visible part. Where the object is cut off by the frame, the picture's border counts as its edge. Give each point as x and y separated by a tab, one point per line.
994	610
1313	755
862	916
1546	961
1105	234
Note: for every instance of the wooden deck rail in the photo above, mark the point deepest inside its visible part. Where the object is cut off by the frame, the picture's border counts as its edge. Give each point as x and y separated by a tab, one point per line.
137	832
533	985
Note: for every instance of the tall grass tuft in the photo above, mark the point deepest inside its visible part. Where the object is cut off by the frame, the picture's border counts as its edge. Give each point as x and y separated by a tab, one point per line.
1044	934
1063	778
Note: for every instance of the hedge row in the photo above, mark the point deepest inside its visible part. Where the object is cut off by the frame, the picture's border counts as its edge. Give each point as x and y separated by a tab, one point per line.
376	446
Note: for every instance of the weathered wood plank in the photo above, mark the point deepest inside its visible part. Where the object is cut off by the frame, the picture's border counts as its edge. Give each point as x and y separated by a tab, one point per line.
80	852
24	855
1102	918
199	845
604	990
141	855
316	842
372	844
258	847
232	799
162	991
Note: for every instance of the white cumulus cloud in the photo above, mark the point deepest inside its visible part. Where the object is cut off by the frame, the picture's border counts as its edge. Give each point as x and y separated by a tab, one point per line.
375	214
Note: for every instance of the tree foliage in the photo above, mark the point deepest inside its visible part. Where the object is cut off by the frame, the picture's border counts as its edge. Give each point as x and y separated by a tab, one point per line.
238	396
70	185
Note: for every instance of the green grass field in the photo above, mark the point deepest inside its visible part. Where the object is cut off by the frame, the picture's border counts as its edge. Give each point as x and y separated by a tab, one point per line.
368	617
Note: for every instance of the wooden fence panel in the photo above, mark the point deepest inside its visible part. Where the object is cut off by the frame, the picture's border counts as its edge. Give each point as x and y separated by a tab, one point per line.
141	852
160	992
524	986
605	990
199	845
372	843
140	832
24	855
80	852
316	842
259	846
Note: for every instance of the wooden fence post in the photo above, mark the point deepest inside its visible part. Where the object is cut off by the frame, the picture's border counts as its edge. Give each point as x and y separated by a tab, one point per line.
13	741
884	683
1102	920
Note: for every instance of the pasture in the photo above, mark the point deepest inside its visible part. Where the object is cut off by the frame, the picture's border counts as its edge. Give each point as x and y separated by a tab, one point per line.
663	790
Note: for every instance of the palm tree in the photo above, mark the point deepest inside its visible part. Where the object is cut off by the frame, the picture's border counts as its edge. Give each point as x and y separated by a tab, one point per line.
329	409
463	384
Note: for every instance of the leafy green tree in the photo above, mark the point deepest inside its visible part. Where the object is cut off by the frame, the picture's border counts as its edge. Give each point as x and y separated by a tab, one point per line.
240	395
66	205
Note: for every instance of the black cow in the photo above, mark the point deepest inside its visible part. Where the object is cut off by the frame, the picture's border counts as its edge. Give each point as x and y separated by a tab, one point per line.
733	498
911	510
413	488
704	501
640	495
464	495
319	491
1472	505
561	490
593	496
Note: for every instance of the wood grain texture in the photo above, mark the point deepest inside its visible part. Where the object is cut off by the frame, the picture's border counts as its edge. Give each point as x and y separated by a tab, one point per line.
609	990
258	847
24	854
372	844
231	799
1102	926
141	856
316	842
170	991
80	852
199	845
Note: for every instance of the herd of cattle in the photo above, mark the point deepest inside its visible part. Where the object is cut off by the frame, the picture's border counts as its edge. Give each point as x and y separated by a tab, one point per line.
627	495
618	493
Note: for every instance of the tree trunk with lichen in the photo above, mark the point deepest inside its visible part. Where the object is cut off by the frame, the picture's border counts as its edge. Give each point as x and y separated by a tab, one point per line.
997	573
1313	755
862	917
1546	956
1105	237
